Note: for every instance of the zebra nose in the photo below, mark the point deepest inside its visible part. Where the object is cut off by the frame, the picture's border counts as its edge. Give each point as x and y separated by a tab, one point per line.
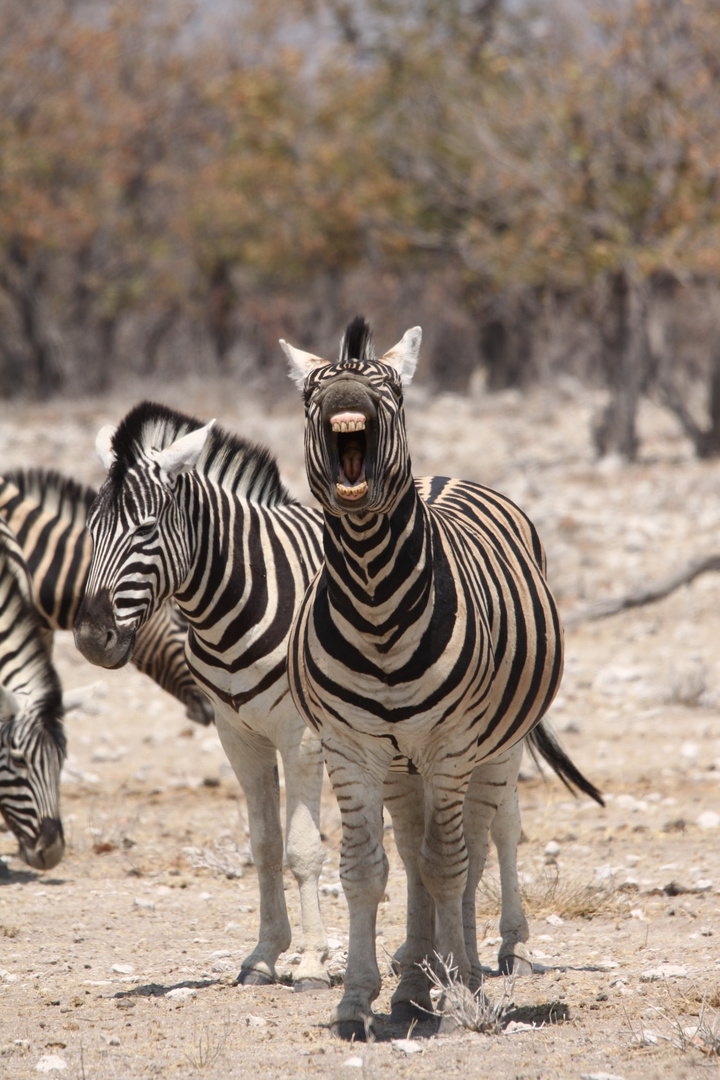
97	635
49	847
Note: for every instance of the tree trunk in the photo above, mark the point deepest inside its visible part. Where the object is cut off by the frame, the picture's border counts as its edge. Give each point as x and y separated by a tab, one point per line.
23	279
624	358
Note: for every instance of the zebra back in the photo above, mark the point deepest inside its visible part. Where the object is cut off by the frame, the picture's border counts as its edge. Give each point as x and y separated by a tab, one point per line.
47	513
32	738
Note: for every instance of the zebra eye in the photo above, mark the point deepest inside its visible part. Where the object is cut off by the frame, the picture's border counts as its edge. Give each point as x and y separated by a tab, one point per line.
146	528
18	759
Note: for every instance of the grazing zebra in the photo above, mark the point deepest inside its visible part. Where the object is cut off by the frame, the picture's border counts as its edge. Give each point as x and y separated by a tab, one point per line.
430	633
47	513
32	740
192	512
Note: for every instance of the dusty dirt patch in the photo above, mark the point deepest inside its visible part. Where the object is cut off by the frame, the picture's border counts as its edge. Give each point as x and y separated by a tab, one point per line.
121	962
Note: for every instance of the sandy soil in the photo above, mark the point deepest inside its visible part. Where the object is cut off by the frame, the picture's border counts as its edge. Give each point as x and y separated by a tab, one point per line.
121	961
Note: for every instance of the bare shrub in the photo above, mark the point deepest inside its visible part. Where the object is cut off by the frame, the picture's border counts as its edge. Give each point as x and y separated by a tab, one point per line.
472	1011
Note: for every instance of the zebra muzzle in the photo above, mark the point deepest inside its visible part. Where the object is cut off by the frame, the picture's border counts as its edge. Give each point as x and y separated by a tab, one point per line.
98	636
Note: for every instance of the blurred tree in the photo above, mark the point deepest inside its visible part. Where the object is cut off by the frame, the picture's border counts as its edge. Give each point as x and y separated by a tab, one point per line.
154	173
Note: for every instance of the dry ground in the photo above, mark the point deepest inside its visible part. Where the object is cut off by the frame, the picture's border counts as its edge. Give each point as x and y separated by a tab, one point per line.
157	893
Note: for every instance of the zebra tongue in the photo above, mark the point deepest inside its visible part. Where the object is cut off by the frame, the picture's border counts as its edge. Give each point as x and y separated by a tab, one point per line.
352	459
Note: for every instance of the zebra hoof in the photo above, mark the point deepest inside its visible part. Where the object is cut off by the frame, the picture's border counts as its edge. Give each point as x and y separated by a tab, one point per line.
251	977
353	1030
407	1012
516	962
301	986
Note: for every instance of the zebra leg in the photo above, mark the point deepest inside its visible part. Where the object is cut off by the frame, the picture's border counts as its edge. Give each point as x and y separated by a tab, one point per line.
303	767
506	830
443	856
405	802
491	804
357	780
481	803
254	761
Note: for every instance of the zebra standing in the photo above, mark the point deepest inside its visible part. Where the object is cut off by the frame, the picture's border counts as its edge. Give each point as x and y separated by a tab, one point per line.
32	740
192	512
47	514
430	633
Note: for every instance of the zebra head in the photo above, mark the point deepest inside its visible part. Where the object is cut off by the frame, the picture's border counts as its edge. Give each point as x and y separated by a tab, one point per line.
32	751
32	739
141	551
356	451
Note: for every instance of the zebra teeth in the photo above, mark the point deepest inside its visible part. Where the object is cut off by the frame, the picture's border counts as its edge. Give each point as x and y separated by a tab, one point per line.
347	421
352	493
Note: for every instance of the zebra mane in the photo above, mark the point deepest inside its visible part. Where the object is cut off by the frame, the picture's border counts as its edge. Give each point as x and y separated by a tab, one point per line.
54	492
235	463
357	341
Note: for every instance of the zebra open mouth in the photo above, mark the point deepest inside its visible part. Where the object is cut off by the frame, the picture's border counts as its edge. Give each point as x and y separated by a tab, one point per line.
349	427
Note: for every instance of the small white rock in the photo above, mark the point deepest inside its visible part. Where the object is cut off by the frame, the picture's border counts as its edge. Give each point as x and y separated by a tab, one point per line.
408	1046
123	969
645	1038
554	920
50	1063
552	848
709	819
689	751
664	971
181	993
354	1062
703	885
255	1021
143	905
223	966
600	1076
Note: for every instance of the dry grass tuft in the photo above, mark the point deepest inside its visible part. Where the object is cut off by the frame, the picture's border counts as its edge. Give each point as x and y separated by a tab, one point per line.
553	895
224	857
208	1045
702	1034
460	1007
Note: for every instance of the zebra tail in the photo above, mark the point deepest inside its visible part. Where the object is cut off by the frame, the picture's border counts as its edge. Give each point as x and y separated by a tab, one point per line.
542	743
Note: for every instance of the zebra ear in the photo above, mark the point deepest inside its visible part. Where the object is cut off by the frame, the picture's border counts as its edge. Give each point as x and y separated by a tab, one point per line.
9	704
184	454
103	445
301	363
404	356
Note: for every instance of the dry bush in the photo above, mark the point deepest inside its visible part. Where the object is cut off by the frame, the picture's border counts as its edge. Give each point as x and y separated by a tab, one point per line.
550	894
702	1034
208	1045
463	1009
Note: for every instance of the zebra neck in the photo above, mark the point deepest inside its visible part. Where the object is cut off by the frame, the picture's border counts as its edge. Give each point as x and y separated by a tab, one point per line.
376	560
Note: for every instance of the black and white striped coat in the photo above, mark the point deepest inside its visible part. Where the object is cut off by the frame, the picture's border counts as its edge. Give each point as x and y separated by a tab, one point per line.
193	513
430	632
32	738
47	513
